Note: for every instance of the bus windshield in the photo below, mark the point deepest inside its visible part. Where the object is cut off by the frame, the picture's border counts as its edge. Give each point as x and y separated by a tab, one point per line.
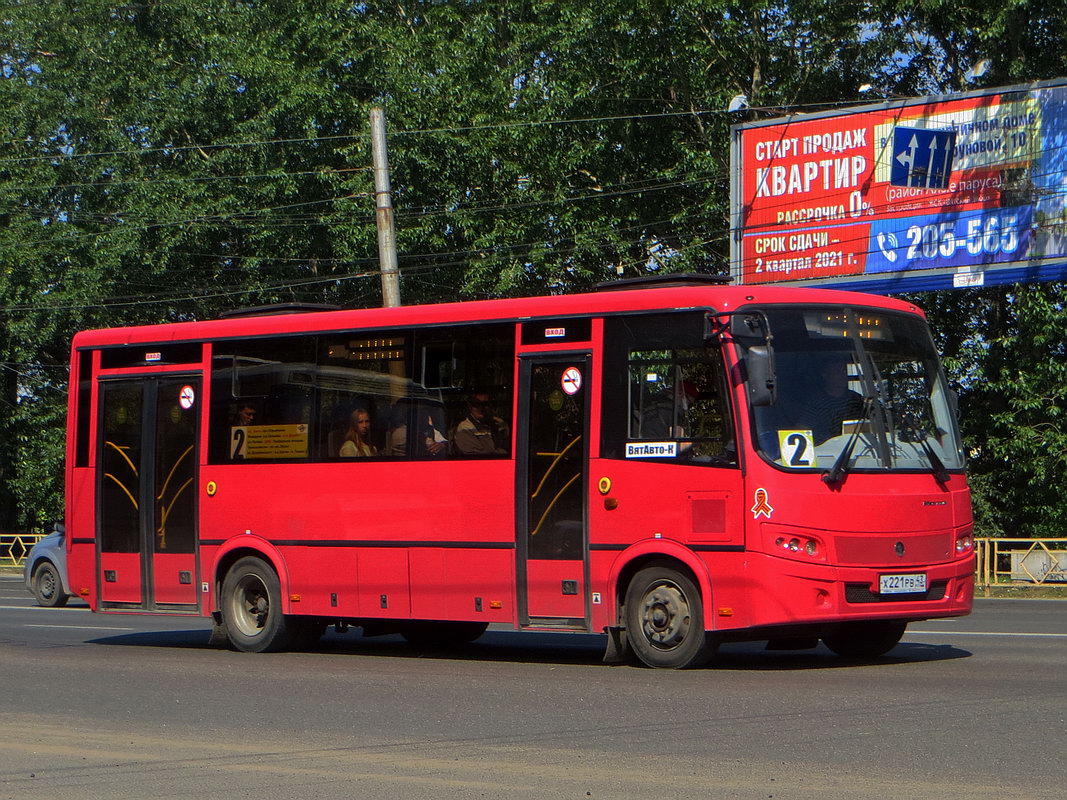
856	389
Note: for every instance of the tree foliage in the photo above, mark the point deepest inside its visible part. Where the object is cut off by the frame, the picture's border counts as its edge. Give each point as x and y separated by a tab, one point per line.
172	158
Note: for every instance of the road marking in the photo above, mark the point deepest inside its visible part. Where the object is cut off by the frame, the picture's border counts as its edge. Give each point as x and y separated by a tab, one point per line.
80	627
985	633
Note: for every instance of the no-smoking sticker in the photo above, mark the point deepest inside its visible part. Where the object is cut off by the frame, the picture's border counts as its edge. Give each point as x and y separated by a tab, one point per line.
186	397
571	380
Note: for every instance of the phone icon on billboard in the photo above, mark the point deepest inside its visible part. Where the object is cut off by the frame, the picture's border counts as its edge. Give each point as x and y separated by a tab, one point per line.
890	251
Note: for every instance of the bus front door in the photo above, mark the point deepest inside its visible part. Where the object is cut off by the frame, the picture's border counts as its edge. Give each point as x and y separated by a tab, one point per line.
553	456
146	493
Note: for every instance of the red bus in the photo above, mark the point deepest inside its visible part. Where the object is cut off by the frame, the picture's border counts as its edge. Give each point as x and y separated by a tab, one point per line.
675	466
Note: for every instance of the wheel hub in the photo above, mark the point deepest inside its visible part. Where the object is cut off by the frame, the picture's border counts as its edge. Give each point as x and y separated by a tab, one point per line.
252	605
665	616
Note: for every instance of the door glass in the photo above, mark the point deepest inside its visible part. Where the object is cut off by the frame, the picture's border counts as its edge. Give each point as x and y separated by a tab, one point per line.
557	462
174	495
121	465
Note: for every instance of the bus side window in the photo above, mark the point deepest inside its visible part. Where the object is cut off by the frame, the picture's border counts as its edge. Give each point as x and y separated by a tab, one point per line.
466	361
664	392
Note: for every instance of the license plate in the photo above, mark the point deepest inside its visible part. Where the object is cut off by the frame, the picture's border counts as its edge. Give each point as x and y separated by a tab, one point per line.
902	584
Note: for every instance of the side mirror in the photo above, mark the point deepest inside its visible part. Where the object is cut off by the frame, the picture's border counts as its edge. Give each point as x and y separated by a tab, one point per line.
759	369
748	326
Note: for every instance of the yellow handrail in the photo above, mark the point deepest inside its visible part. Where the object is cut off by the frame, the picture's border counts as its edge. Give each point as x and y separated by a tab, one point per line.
161	532
170	474
122	452
123	487
551	505
552	466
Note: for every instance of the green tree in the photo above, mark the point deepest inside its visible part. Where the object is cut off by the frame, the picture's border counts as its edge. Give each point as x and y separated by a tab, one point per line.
173	158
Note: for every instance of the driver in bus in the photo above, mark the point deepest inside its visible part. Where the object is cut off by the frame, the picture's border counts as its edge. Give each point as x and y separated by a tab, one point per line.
831	402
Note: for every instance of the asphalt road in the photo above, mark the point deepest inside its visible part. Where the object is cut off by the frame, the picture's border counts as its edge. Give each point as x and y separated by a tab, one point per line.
141	707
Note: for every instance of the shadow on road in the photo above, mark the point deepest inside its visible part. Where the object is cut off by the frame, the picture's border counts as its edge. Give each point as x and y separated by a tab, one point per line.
545	648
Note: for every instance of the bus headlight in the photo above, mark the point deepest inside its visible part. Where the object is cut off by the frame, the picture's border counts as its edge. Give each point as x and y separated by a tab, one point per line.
798	545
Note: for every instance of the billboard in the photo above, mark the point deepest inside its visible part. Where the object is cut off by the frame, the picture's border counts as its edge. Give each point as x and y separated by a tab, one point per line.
909	195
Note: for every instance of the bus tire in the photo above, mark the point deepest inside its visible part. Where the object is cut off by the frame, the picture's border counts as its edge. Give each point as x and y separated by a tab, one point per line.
442	634
47	587
665	619
252	608
868	639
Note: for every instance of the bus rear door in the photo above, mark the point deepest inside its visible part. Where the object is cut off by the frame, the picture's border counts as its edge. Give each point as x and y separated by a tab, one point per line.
147	461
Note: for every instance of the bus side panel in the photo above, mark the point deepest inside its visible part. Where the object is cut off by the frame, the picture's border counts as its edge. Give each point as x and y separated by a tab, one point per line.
698	509
384	583
463	584
322	581
347	528
734	593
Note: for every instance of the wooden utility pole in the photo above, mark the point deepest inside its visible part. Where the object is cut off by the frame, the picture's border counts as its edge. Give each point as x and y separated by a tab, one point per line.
383	202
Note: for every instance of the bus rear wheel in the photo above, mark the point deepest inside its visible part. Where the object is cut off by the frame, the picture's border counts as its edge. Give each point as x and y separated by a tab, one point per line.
252	608
868	639
665	619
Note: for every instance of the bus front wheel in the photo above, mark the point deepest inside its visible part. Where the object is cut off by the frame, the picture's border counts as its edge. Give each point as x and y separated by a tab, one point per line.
665	619
252	608
868	639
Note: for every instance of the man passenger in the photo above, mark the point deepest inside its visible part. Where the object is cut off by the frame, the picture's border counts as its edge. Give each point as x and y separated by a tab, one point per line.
481	433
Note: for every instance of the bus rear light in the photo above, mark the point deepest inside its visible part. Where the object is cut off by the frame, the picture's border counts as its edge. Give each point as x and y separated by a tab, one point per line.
964	543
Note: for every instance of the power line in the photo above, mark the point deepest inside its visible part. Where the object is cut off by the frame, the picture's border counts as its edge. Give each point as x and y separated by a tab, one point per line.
345	137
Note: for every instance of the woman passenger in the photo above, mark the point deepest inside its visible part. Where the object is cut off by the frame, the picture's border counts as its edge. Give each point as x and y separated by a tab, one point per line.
355	443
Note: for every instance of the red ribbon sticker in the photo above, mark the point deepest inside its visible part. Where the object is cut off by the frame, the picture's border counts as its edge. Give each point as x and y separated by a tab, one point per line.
762	507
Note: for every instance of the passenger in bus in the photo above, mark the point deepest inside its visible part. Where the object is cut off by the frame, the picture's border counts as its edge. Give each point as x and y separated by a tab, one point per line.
246	415
430	443
831	402
481	433
356	443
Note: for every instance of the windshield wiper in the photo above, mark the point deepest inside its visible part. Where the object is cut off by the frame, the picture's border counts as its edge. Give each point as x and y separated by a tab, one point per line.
937	466
840	467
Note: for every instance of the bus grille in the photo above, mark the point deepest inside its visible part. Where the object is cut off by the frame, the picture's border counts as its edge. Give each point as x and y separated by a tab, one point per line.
861	593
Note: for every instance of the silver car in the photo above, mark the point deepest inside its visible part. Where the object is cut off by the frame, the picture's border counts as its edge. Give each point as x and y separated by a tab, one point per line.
45	570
